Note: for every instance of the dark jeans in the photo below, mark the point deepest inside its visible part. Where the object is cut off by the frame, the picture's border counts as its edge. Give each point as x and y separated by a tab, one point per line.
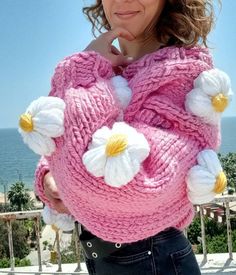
167	253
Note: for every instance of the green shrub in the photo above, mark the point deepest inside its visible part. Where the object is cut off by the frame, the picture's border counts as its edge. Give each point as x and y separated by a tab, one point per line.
68	257
22	262
19	235
229	166
218	243
212	228
194	231
5	262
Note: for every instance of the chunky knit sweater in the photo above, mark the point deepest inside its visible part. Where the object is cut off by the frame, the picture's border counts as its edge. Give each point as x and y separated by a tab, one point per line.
156	198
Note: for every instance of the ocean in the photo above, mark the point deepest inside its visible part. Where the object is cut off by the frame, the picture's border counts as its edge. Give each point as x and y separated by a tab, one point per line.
228	130
17	161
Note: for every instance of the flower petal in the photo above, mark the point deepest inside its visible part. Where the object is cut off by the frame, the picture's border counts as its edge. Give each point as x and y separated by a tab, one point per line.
224	81
209	159
200	105
40	144
123	128
200	180
119	170
100	137
200	199
209	82
95	160
49	122
138	147
45	103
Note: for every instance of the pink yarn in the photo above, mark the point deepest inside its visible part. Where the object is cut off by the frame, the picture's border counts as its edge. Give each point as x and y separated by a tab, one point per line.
156	198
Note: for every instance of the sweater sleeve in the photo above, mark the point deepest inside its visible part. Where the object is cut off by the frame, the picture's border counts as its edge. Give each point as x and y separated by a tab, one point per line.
41	170
81	69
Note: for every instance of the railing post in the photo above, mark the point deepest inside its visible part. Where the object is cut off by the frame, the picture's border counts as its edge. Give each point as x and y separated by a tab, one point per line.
203	234
10	241
37	230
229	233
58	250
77	245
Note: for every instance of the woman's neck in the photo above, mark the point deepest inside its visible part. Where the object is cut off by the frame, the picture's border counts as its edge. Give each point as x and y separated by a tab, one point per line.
138	48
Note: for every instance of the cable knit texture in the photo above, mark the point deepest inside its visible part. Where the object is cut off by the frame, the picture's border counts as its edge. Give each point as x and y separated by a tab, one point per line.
156	198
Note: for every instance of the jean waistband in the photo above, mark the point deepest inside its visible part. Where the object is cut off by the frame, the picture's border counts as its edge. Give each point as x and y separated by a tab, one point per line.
92	243
166	234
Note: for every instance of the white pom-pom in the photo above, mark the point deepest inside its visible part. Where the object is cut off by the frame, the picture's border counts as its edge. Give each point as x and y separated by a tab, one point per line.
64	222
49	215
122	90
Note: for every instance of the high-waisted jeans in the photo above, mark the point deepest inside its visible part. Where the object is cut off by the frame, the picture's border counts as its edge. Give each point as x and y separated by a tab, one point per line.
167	253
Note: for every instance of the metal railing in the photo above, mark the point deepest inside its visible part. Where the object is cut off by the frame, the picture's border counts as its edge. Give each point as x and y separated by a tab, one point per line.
225	200
35	215
8	218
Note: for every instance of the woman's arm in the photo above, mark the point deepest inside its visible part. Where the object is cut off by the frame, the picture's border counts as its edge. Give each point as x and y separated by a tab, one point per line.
81	69
46	187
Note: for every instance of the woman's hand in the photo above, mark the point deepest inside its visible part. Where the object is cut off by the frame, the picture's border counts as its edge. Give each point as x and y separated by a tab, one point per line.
103	45
51	192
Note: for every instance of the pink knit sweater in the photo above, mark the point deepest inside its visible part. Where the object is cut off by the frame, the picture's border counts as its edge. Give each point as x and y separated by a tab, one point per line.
156	198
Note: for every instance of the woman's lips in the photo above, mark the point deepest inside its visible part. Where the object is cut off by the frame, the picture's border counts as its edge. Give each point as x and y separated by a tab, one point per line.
127	14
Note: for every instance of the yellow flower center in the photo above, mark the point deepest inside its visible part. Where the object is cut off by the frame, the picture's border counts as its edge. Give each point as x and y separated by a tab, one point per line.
54	227
221	182
116	144
220	102
26	123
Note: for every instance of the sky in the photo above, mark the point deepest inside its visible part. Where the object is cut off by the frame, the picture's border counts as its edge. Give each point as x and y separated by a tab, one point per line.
36	35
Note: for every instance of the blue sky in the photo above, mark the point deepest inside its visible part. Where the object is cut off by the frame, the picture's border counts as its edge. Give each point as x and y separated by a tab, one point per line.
36	35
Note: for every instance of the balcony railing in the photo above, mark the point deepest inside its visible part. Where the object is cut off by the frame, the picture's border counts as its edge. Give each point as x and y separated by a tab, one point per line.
225	200
9	217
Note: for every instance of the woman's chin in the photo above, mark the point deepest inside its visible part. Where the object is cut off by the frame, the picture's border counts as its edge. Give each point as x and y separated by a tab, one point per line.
124	26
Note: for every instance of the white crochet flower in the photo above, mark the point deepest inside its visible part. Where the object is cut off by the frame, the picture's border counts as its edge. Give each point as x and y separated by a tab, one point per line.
42	121
116	154
60	221
206	179
210	96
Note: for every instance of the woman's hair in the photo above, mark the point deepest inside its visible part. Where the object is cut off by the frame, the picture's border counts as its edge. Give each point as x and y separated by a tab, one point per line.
181	23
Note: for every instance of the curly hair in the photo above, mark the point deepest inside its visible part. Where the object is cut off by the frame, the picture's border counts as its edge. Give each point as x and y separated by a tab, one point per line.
181	23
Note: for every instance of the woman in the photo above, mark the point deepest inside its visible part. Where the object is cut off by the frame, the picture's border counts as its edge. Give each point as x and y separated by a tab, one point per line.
135	227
